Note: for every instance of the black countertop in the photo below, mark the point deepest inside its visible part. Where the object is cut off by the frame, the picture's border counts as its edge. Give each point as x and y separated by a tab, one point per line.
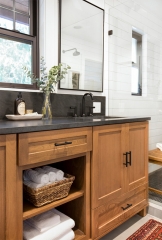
10	127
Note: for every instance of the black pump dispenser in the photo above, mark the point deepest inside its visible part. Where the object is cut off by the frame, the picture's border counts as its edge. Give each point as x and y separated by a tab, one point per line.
19	105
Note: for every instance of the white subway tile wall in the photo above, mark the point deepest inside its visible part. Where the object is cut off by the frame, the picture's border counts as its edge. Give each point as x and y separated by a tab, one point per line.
122	15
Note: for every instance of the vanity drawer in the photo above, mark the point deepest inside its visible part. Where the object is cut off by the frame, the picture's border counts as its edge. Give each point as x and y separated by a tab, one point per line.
110	215
42	146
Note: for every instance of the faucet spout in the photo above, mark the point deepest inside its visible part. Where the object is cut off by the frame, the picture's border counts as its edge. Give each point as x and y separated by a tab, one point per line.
83	102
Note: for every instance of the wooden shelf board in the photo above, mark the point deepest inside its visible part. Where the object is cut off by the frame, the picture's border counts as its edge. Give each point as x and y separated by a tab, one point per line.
79	234
29	210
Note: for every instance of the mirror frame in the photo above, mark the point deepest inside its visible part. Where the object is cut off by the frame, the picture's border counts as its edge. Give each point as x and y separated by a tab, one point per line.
59	46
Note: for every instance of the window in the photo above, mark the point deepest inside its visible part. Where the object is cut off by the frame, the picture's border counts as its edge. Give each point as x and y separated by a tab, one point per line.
18	42
136	87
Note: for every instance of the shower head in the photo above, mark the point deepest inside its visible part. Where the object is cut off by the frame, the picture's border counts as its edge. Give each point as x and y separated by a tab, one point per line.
76	53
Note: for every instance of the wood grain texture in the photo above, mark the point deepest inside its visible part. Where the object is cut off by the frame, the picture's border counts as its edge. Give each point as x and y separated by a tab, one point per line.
79	209
40	146
29	210
9	203
137	173
114	183
155	155
77	204
107	169
143	212
2	191
108	216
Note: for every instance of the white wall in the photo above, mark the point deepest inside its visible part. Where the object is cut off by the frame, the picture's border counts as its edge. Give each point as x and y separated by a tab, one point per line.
121	16
146	16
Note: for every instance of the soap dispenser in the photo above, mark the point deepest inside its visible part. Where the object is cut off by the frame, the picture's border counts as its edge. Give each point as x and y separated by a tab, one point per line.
19	105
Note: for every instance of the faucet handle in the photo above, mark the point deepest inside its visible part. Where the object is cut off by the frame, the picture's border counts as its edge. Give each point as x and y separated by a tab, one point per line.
90	111
75	111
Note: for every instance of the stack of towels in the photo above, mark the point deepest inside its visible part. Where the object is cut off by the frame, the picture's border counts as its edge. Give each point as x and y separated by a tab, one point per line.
51	225
39	177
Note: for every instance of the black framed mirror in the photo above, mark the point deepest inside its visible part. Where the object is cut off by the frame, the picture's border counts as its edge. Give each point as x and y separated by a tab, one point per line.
81	41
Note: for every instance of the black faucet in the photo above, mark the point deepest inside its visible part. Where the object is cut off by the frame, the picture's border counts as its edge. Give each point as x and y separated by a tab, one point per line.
83	102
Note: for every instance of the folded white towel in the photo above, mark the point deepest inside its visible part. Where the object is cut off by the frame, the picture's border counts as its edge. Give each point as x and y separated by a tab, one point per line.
59	173
52	175
159	145
53	233
36	177
68	236
33	185
44	221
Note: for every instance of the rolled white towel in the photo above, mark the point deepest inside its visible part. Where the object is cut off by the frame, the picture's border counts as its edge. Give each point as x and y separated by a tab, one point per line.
44	221
52	175
159	145
59	173
36	177
33	185
56	232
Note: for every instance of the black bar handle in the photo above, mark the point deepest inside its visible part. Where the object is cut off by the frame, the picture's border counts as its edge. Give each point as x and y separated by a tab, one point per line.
128	206
130	158
65	143
126	163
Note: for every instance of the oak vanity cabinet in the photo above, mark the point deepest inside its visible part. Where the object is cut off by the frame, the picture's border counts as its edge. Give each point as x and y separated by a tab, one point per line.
68	150
8	188
119	175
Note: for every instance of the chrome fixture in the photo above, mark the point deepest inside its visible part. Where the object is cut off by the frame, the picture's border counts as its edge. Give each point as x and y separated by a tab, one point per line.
75	53
83	102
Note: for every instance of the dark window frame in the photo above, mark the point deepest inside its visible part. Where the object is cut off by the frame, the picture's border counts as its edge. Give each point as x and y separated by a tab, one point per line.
138	37
33	37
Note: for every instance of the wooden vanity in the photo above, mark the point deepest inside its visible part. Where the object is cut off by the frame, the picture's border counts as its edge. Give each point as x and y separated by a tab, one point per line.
110	163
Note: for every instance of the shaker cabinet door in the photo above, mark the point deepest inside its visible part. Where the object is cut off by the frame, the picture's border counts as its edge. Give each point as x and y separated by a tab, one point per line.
107	169
137	147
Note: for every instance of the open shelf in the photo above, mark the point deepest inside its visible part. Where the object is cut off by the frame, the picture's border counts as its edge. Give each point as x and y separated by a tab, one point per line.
29	210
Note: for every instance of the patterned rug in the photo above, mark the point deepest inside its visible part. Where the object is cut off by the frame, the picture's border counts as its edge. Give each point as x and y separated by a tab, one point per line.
152	230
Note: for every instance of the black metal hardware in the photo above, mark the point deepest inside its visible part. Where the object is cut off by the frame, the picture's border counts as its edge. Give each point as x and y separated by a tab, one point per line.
126	163
83	102
90	111
65	143
110	32
75	111
130	158
128	206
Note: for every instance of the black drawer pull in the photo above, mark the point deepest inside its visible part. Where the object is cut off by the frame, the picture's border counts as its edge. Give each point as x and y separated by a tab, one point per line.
65	143
128	206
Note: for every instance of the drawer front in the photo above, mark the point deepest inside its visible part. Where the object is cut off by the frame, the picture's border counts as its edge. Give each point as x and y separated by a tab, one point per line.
47	145
110	215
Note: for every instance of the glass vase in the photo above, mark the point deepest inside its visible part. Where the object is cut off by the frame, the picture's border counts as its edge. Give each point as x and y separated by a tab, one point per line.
46	108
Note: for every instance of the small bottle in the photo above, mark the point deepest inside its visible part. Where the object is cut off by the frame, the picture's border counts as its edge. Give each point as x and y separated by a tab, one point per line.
19	105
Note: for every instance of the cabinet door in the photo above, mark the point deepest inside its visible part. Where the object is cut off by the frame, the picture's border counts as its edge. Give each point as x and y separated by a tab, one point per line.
107	164
10	208
137	143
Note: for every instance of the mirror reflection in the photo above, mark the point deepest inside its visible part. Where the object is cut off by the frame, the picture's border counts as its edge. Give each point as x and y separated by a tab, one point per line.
81	45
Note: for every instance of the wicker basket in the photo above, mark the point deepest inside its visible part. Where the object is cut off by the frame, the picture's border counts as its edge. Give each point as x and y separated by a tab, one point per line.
49	193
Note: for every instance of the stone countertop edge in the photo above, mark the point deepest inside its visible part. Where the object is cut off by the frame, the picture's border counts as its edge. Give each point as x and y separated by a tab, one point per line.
13	127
